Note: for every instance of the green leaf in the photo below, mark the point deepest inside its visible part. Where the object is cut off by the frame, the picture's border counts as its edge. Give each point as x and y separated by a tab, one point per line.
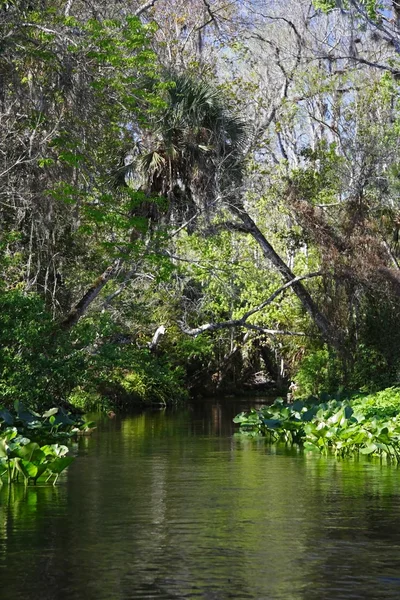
272	423
297	406
27	452
34	470
10	434
3	449
309	414
59	464
50	413
369	449
6	416
62	418
240	418
310	447
56	450
348	412
336	417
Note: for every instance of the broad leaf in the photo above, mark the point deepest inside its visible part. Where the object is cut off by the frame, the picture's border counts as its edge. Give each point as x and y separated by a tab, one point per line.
59	464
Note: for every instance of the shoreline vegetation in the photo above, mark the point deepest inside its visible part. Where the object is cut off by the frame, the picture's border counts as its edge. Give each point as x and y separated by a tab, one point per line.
35	446
344	425
39	447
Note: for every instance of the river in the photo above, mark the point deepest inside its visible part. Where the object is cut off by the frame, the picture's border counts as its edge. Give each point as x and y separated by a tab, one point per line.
171	505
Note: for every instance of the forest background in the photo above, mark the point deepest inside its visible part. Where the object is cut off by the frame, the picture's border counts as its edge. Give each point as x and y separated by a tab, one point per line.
197	197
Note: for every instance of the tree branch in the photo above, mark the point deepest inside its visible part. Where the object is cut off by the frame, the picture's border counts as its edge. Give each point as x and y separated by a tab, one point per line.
359	59
144	7
81	307
242	322
156	337
224	226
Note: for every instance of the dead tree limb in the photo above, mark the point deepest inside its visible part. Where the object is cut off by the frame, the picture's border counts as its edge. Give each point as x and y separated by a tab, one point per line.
156	337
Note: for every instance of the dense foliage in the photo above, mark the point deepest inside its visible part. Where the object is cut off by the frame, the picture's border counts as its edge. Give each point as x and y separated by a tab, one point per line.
197	196
360	425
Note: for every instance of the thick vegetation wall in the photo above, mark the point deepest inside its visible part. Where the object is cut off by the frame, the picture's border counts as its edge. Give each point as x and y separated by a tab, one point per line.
197	198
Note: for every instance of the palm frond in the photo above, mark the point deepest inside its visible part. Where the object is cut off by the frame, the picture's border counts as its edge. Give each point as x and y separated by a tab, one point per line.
153	162
198	140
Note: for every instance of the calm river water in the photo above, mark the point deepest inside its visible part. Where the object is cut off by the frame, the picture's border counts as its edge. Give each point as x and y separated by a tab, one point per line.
170	505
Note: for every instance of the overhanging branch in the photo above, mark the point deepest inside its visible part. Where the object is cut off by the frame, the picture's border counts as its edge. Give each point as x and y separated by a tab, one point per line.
79	310
242	322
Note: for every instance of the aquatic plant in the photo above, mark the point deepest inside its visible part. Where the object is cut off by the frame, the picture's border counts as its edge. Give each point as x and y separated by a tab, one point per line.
344	427
30	443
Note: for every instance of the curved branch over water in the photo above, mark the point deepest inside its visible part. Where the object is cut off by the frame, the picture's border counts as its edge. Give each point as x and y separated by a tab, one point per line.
242	322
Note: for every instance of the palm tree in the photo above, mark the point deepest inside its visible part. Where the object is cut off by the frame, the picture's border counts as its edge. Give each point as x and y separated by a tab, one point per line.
196	141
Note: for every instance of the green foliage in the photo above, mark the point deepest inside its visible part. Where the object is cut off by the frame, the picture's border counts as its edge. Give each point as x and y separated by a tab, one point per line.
318	181
112	154
373	369
319	370
376	357
21	456
30	443
361	425
54	425
325	5
38	362
381	405
138	377
86	72
87	400
372	7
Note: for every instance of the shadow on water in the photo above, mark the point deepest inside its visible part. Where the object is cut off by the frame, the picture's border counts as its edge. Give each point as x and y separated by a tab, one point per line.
170	505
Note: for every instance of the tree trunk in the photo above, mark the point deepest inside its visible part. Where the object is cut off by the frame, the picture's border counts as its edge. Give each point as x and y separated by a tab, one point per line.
331	336
396	12
81	307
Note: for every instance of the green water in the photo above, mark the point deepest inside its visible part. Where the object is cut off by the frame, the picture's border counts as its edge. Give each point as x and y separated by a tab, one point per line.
169	505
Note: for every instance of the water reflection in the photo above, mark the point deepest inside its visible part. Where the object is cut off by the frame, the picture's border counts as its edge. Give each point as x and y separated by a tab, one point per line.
170	505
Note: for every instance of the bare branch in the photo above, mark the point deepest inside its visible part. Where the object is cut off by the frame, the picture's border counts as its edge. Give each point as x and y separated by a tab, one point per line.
156	337
144	7
184	225
359	59
242	322
211	19
68	7
50	31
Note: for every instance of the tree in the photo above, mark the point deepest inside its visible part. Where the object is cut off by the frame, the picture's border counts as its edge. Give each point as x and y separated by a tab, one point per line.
197	164
64	76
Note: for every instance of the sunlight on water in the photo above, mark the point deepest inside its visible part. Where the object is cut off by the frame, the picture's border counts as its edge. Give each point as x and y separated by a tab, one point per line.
171	505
